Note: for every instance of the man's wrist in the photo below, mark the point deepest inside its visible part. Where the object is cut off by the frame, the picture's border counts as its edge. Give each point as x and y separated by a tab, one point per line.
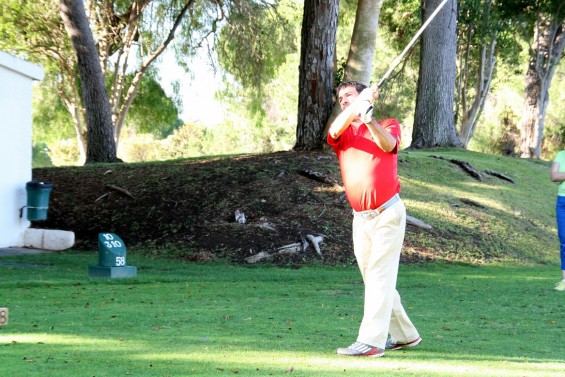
367	116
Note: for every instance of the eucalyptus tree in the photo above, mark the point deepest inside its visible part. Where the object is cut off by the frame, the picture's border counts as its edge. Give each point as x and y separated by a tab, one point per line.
100	130
434	119
359	64
546	45
478	32
152	111
33	30
275	41
251	52
315	83
130	36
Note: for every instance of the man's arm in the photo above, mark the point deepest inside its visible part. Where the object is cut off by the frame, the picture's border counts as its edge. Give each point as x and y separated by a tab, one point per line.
344	119
351	113
382	137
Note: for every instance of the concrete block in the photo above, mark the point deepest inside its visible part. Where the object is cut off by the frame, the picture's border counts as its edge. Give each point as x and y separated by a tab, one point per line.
58	239
112	272
48	239
33	238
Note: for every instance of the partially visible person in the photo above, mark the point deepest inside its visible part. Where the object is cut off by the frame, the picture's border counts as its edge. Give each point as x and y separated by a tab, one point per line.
558	175
367	153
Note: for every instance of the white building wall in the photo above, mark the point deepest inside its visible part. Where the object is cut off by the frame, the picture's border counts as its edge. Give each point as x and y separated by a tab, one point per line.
16	80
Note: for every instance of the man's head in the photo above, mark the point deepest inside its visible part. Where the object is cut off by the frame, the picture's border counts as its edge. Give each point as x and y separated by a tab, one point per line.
347	91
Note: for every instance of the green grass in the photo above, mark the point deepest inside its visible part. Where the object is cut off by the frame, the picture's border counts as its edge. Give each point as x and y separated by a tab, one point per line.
516	223
177	319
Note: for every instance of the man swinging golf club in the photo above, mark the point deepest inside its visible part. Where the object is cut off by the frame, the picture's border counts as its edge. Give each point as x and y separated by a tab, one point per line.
367	153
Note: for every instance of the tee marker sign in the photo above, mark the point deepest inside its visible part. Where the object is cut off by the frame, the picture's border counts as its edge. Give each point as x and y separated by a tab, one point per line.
111	258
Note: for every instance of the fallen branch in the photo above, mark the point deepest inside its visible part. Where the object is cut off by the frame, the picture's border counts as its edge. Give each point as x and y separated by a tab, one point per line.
317	176
119	189
499	175
315	241
470	170
293	248
258	257
101	197
417	223
472	202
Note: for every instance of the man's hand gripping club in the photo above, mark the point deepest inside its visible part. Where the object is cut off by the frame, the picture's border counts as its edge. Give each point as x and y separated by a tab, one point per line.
367	97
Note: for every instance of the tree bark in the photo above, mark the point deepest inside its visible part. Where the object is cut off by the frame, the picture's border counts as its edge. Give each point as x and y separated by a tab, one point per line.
319	25
545	53
434	119
101	146
470	109
359	65
470	114
121	102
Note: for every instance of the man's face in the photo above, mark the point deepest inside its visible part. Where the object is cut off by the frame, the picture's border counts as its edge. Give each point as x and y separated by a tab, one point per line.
346	96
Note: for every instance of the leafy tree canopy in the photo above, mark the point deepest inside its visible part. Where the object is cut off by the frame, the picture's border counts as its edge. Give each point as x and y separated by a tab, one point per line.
256	39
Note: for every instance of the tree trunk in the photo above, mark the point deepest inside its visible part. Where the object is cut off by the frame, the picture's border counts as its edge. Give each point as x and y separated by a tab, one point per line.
434	119
470	115
545	53
470	109
359	65
101	146
319	24
121	103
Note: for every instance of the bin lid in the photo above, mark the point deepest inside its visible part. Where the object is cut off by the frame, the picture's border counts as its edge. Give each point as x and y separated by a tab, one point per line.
36	184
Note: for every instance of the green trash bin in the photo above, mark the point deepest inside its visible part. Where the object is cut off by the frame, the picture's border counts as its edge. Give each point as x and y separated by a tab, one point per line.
37	200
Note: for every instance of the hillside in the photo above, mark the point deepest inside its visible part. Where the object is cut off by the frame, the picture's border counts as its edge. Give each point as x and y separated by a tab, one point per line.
186	209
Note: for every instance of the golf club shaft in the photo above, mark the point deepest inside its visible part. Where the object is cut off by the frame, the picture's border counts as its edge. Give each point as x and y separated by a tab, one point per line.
397	60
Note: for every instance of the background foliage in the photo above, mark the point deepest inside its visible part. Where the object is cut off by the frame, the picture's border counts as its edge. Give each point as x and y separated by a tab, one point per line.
257	61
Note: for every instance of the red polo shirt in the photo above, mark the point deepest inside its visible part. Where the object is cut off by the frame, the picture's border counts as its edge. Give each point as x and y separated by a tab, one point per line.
369	174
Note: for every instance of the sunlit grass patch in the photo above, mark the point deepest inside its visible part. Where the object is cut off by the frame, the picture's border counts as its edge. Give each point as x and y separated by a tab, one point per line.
179	319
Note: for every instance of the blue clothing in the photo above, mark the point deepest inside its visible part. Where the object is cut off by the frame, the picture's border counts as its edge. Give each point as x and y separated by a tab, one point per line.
560	215
560	159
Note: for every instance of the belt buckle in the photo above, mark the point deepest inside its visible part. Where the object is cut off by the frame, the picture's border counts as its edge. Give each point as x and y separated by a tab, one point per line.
372	214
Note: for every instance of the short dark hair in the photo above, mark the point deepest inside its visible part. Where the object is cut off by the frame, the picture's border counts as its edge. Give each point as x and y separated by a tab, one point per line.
358	86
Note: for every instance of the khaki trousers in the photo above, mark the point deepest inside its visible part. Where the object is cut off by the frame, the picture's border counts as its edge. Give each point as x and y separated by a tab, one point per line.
377	244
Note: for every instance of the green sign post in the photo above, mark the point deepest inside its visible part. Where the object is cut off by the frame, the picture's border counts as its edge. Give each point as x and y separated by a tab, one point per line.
111	258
